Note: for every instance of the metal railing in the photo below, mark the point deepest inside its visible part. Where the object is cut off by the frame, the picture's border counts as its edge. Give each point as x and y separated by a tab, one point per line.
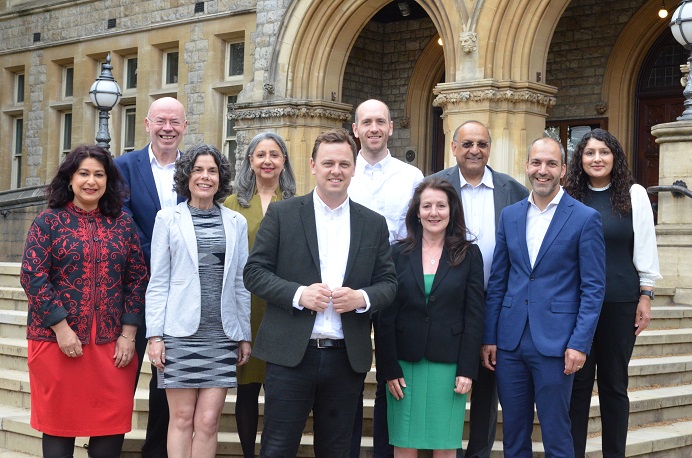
678	189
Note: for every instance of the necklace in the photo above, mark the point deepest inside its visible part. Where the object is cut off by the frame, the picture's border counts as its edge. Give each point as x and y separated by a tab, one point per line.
433	257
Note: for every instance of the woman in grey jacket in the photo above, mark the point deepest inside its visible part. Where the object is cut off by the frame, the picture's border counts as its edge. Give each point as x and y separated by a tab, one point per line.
197	307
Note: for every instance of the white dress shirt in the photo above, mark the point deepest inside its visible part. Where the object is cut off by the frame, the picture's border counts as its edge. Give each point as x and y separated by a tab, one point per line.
333	241
387	188
479	214
163	177
537	223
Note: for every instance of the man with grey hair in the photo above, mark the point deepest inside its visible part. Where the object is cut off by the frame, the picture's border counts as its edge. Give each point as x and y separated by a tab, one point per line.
484	193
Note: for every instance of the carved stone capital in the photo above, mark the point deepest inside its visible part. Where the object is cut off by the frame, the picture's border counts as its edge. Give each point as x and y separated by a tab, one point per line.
493	95
469	41
296	111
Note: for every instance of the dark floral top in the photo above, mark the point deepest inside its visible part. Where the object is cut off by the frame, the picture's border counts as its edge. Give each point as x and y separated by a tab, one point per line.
83	266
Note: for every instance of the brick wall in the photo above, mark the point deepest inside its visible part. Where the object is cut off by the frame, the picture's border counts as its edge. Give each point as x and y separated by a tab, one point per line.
579	52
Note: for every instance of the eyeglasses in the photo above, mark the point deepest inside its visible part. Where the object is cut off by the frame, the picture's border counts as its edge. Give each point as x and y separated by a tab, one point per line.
468	144
162	122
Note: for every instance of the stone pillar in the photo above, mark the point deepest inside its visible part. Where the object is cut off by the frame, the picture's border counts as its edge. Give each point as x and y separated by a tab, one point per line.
515	113
297	121
674	229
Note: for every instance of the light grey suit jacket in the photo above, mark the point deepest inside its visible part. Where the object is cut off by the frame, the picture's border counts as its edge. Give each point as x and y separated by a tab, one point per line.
506	192
174	296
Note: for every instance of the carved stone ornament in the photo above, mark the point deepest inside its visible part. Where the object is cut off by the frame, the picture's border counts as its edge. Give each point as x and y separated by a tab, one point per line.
269	88
405	122
469	41
289	112
601	107
504	95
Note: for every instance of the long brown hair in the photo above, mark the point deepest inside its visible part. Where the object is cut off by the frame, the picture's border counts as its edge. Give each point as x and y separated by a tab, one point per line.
456	242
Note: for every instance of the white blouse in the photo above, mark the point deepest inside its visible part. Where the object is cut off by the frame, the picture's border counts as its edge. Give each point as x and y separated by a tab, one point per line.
645	256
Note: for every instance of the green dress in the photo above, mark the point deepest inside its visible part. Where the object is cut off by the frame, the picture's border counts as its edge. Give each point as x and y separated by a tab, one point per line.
255	370
431	415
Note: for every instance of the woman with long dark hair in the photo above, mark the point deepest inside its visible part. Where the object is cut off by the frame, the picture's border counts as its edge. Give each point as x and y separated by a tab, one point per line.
598	176
84	274
265	176
430	337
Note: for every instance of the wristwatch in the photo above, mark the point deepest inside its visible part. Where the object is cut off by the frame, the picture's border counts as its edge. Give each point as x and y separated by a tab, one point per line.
645	292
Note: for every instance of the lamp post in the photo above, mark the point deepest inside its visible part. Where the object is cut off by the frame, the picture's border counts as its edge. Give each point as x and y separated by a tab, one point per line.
681	26
105	94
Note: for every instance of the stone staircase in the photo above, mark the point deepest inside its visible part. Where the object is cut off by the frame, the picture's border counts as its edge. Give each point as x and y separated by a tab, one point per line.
660	390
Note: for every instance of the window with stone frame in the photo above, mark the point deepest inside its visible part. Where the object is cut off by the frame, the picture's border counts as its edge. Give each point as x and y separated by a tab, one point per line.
129	126
19	81
65	134
67	82
131	72
170	67
230	144
17	152
235	58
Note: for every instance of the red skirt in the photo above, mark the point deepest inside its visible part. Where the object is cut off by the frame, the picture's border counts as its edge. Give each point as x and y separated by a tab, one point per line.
80	397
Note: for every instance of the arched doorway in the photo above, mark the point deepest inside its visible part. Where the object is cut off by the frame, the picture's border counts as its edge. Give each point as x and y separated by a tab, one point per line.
658	100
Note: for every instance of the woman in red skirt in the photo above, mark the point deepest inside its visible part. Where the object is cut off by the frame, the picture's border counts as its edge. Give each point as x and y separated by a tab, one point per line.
84	274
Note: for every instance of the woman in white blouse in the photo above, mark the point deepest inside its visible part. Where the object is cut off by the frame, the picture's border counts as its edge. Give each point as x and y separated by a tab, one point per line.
598	176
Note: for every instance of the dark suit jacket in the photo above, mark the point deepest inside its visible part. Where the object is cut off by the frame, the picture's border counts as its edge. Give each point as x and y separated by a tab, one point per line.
285	256
136	169
561	296
448	328
506	189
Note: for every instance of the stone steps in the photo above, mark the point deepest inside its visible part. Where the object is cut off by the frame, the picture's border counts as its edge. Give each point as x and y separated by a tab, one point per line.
660	390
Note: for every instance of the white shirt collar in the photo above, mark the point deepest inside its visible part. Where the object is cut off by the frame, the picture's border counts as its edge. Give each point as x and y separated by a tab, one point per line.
487	179
552	203
363	164
154	161
324	208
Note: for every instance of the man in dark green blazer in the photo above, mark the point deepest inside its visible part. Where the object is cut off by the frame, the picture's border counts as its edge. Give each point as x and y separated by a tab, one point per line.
323	263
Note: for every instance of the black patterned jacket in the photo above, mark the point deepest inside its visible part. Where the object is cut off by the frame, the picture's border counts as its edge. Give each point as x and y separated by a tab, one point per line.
83	266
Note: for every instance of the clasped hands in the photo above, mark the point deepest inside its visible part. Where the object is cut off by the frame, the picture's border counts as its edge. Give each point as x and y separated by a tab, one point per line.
317	297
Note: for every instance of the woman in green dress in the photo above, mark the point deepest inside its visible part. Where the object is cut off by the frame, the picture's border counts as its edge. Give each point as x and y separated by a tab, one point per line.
265	176
430	336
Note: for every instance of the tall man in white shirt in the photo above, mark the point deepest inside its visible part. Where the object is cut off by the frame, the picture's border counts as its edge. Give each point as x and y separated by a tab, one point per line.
323	263
484	193
149	175
545	293
384	184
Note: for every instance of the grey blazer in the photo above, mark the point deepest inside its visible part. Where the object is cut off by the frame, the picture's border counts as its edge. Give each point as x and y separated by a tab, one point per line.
506	192
285	256
174	296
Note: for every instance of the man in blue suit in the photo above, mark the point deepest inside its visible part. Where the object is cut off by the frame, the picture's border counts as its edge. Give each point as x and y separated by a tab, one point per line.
545	293
149	174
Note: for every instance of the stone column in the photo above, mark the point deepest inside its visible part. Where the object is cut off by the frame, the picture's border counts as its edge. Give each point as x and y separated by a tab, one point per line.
674	229
515	113
297	121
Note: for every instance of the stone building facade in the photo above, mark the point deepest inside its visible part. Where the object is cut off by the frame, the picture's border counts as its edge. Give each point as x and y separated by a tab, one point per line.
298	67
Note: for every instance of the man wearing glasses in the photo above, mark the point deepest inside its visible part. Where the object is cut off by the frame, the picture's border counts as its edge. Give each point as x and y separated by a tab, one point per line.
149	175
484	193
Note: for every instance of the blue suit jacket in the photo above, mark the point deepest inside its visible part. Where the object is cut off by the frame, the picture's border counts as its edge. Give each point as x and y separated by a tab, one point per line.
562	295
142	202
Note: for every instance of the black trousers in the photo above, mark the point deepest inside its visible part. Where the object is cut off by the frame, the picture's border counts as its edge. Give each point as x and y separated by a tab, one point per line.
323	383
610	356
157	423
483	416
